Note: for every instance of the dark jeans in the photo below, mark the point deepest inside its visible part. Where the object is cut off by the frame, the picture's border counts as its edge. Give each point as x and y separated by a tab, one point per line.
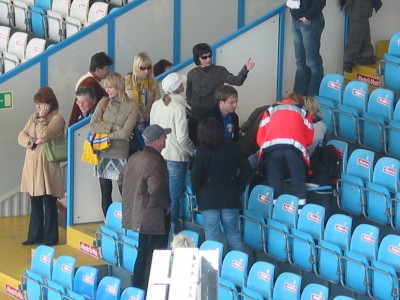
43	224
283	162
307	42
147	244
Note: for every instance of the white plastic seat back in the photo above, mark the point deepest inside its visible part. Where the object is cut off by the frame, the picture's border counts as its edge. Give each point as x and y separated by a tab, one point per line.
55	30
5	12
29	2
17	44
4	38
62	7
72	26
20	15
10	61
79	10
97	11
35	46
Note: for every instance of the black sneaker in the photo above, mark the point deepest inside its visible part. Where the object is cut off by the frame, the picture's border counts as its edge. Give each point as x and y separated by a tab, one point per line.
366	61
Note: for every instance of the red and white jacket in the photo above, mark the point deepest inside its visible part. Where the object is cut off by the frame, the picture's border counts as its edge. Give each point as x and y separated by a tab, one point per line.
286	123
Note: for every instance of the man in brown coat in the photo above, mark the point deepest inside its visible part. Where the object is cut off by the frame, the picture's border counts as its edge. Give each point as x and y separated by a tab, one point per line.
146	202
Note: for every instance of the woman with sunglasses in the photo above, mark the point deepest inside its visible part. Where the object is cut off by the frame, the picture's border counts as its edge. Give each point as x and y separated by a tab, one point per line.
142	87
203	81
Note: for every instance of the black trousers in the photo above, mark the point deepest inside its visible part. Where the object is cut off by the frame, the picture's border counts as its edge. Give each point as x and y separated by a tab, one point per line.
106	186
283	163
147	244
43	224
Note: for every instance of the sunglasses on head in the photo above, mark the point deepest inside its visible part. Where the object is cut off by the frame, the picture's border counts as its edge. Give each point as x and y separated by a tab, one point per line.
145	68
206	56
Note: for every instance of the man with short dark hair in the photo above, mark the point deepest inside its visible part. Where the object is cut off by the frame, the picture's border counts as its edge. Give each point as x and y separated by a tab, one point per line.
99	68
226	99
146	200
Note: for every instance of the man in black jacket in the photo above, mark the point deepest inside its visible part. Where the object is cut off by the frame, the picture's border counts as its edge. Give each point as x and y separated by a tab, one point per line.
226	99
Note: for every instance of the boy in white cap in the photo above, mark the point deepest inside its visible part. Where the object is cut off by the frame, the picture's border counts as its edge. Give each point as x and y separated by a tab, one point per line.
170	112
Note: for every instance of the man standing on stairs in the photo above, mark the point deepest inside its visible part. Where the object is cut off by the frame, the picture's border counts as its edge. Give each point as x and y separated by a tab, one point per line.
358	49
308	22
146	202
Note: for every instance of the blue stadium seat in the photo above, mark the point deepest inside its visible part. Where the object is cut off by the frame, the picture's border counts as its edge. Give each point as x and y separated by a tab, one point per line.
395	220
329	118
328	261
331	88
343	298
287	287
285	210
44	4
337	237
361	163
356	95
338	230
343	148
213	245
261	200
261	278
235	267
363	248
253	229
107	241
314	291
133	293
347	123
350	193
393	136
109	288
301	249
114	217
41	270
247	293
38	21
373	122
312	220
85	281
385	183
277	240
227	290
128	253
384	270
389	67
62	277
73	296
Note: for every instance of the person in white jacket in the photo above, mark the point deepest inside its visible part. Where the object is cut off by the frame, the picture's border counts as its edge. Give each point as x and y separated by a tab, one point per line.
170	112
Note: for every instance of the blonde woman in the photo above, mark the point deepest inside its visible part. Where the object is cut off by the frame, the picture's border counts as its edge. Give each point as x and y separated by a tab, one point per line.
143	88
115	115
40	178
314	108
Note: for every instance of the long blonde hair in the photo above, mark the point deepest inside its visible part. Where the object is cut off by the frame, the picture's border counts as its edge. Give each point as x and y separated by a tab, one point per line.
118	81
314	108
138	84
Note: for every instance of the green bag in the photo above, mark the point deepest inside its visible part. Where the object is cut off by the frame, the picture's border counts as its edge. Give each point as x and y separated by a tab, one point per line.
56	150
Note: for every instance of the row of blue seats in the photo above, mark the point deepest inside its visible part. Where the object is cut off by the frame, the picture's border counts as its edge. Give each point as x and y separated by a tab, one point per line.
371	189
259	283
46	280
332	252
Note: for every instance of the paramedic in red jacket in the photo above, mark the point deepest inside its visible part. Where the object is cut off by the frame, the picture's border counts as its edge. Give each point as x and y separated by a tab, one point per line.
285	132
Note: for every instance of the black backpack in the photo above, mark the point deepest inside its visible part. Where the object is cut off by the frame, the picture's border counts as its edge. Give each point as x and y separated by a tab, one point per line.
325	166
